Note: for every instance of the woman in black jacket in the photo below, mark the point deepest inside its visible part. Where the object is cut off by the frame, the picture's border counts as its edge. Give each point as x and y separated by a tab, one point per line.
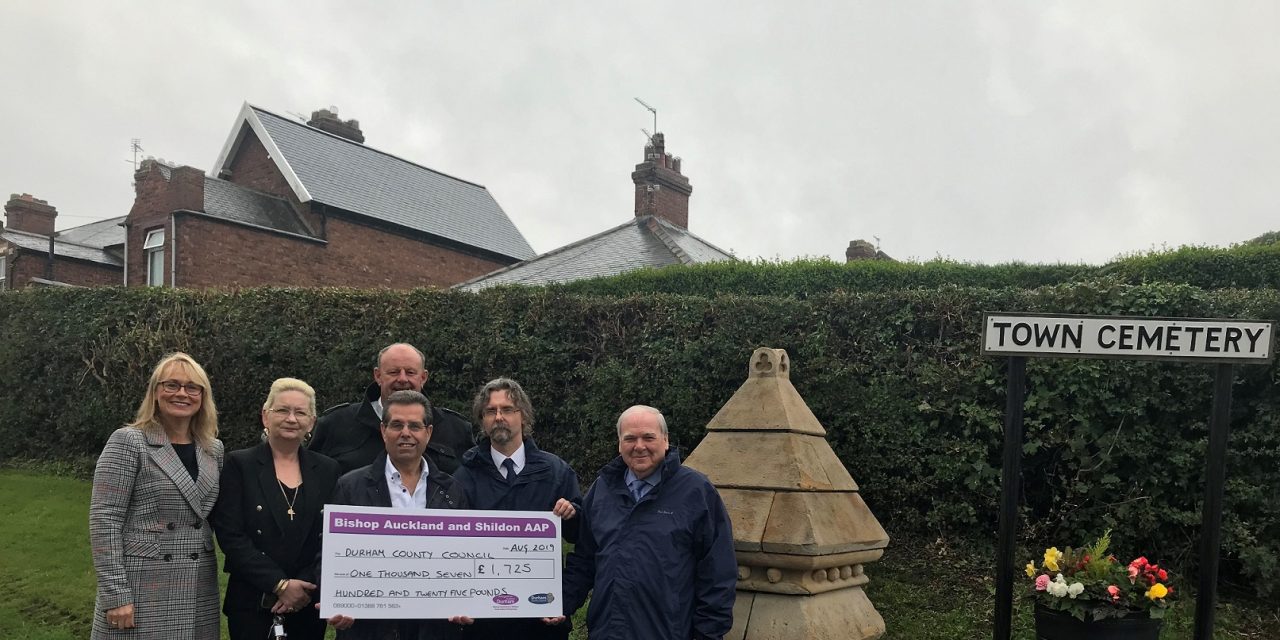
268	520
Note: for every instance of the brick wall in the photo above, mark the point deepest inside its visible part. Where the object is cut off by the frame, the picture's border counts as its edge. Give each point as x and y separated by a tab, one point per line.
26	265
218	254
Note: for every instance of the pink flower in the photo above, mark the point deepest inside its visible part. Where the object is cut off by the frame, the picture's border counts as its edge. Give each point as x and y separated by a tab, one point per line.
1042	582
1133	574
1114	591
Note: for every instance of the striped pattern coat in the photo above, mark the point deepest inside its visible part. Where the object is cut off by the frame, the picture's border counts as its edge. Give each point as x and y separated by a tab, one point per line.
152	543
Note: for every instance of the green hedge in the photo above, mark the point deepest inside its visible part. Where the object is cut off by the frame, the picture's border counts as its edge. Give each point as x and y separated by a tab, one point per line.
910	406
1246	266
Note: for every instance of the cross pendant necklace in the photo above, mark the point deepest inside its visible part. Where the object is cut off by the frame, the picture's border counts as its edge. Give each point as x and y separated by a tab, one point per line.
287	501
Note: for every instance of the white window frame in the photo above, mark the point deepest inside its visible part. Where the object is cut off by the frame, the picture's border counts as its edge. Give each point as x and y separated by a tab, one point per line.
4	271
153	257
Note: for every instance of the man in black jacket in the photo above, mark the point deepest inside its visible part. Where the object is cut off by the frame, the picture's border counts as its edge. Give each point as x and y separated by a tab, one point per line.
400	477
349	432
508	472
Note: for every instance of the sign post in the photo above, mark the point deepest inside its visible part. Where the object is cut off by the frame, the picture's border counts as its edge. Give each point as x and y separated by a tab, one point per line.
1225	342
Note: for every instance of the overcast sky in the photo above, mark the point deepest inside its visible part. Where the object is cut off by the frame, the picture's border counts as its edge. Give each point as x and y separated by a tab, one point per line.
978	131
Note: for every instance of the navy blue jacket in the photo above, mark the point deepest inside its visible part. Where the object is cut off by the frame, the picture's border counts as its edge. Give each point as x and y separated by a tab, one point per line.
544	479
663	568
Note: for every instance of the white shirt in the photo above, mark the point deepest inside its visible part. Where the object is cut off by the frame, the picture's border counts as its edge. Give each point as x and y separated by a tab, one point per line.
517	458
377	407
399	495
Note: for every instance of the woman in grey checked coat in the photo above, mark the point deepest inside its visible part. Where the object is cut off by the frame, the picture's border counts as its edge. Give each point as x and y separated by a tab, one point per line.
153	488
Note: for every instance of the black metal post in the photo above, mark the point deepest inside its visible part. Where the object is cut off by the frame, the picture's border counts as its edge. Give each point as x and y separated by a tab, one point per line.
1010	487
1211	514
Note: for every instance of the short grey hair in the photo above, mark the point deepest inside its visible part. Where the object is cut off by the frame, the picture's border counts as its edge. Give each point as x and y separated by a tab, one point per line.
640	408
377	361
407	397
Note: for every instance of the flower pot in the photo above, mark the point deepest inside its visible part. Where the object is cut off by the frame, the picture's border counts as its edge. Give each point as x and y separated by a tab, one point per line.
1059	625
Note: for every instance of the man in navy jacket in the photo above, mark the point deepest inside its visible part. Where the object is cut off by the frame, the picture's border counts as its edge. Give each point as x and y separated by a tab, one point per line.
508	472
655	546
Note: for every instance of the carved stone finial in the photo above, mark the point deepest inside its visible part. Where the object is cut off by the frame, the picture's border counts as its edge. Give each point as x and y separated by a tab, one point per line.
769	363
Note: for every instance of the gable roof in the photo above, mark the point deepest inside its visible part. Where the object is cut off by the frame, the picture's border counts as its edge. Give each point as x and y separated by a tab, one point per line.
38	243
103	233
646	241
342	173
232	202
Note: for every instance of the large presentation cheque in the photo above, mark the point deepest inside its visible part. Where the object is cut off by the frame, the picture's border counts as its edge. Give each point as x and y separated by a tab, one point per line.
438	563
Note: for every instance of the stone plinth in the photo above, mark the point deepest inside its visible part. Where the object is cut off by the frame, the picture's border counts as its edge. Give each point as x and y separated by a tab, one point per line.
800	528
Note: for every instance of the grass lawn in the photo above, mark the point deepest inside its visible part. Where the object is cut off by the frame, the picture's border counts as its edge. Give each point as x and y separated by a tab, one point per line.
924	592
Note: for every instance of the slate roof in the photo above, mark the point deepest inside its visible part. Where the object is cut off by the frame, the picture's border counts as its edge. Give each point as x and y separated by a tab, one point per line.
646	241
103	233
235	203
348	175
36	242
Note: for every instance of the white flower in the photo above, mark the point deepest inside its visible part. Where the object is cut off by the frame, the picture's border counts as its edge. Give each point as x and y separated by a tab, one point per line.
1057	588
1075	589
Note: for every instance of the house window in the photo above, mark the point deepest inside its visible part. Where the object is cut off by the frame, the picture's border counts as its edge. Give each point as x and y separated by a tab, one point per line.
153	249
4	261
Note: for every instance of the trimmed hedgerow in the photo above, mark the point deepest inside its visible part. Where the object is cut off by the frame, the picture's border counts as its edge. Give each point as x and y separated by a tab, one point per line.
909	404
1252	265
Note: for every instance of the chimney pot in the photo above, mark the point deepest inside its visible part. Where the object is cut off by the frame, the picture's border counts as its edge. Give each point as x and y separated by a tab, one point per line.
660	189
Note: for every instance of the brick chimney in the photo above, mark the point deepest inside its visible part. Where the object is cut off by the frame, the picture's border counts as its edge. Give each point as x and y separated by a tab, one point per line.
328	120
30	214
661	190
160	189
862	250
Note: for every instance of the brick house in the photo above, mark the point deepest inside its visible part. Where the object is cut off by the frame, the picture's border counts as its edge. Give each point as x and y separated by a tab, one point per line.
658	235
33	254
309	204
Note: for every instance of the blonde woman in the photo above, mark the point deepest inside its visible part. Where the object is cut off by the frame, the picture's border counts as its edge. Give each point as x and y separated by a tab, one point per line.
154	486
268	520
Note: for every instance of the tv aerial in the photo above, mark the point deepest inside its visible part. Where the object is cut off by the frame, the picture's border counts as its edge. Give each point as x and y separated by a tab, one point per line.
653	111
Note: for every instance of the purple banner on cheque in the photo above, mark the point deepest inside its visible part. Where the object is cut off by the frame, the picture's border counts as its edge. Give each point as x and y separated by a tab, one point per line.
455	526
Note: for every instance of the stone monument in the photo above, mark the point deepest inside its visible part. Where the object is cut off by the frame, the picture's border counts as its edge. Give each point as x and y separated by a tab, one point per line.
800	528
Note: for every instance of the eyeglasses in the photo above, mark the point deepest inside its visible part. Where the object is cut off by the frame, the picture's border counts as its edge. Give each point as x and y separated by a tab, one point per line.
173	386
507	412
284	413
413	427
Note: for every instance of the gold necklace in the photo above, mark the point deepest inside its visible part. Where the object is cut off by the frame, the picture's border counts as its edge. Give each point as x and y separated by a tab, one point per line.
286	497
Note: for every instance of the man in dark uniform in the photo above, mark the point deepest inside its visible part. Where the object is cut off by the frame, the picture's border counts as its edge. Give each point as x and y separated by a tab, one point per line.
349	433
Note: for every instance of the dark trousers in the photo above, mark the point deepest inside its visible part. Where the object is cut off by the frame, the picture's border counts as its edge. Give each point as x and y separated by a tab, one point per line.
254	625
521	628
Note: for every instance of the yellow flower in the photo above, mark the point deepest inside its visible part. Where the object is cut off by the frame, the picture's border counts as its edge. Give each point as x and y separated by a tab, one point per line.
1051	558
1031	569
1157	591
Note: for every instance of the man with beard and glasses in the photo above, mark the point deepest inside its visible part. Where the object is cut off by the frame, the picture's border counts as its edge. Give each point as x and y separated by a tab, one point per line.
349	433
508	472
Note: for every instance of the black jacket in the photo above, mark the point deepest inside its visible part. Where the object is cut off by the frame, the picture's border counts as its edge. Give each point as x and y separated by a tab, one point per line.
367	487
349	433
254	530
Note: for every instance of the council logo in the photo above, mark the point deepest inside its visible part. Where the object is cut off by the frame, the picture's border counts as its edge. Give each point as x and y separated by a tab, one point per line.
506	599
542	598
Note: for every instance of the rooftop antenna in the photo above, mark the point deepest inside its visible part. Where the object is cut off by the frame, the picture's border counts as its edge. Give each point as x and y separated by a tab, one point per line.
648	136
135	144
877	242
299	116
651	109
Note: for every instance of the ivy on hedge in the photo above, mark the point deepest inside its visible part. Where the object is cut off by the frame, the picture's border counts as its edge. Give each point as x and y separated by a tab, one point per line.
895	377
